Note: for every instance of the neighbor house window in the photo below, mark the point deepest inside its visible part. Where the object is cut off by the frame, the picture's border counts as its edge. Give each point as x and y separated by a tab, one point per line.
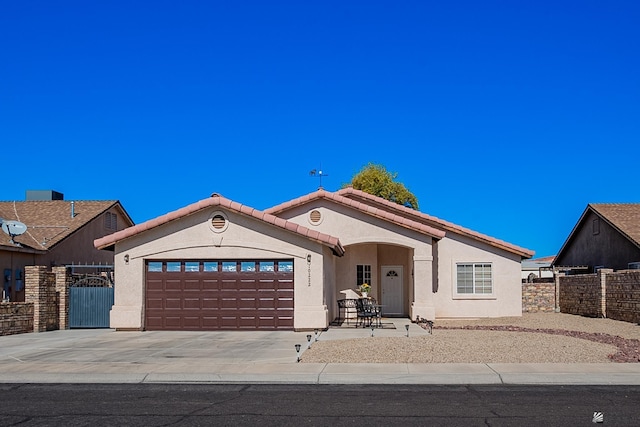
474	279
596	226
363	274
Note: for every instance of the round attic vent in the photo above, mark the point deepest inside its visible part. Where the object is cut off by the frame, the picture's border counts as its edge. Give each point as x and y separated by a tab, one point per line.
315	217
218	222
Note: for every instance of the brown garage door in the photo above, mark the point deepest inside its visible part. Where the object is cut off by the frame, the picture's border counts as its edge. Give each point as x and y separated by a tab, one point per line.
214	295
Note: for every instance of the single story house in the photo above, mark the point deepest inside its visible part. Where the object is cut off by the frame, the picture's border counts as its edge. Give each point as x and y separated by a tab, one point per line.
218	264
607	235
59	233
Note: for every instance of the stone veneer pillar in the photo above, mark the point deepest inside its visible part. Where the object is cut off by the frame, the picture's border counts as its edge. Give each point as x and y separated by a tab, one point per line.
602	275
63	280
556	277
36	293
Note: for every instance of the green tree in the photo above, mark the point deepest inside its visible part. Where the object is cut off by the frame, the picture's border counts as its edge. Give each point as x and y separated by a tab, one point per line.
377	180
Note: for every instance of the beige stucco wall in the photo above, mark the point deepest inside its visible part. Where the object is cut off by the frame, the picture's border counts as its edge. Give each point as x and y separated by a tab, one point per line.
245	238
506	299
329	277
428	267
369	240
354	255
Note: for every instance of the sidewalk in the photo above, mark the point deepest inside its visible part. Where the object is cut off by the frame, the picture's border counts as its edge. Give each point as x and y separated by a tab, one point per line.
106	356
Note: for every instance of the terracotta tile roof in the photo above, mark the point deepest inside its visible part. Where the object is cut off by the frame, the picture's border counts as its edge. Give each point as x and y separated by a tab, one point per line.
401	215
217	200
623	216
50	222
363	207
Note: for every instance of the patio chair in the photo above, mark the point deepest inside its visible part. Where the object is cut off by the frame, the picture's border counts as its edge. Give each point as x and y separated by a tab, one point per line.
348	307
364	313
370	305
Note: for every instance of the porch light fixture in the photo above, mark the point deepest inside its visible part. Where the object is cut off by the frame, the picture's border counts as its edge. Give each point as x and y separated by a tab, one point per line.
126	259
298	351
309	341
309	258
407	328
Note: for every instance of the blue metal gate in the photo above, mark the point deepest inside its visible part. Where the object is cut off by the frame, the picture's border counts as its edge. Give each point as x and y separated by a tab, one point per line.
89	307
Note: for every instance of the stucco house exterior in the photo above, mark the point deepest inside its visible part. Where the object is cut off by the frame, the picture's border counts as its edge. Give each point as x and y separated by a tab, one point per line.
218	264
607	235
59	232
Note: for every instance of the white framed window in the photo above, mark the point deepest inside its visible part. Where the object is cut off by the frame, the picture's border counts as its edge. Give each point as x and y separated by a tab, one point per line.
363	274
474	279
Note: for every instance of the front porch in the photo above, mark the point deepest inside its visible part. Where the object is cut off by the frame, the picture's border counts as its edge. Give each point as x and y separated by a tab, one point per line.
389	270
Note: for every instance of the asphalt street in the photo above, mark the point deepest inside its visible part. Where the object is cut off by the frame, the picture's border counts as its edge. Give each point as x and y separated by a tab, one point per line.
298	405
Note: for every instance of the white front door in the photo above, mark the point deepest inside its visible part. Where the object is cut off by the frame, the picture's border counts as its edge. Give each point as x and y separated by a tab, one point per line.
392	286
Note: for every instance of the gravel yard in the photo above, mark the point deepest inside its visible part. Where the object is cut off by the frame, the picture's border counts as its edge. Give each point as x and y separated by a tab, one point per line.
532	338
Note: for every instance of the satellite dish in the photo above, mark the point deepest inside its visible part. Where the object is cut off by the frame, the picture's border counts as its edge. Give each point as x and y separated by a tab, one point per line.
13	228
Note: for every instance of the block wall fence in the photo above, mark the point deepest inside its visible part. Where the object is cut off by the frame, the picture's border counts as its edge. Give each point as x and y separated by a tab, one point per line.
539	296
615	295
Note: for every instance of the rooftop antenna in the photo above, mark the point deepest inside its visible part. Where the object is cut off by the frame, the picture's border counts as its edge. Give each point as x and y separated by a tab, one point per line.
318	173
13	229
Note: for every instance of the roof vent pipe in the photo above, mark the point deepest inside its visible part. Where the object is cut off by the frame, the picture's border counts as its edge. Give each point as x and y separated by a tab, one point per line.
73	210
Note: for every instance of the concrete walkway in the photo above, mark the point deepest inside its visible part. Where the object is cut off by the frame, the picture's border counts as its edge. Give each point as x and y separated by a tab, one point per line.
106	356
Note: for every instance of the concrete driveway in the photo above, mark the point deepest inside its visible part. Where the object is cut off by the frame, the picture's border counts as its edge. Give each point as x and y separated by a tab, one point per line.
107	356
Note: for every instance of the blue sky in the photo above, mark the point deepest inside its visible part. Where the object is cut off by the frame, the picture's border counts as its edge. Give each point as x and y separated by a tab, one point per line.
506	117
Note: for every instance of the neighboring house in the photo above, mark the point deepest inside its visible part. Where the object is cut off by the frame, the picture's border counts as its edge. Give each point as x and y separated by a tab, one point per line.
607	235
58	233
539	268
218	264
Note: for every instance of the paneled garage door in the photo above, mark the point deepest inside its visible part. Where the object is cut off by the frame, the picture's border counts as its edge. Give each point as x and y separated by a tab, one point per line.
215	295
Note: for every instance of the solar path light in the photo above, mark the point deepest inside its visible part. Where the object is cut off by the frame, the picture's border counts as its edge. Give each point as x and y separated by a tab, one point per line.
298	351
407	328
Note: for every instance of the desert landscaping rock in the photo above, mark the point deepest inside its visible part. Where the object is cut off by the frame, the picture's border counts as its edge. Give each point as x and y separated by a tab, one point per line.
532	338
